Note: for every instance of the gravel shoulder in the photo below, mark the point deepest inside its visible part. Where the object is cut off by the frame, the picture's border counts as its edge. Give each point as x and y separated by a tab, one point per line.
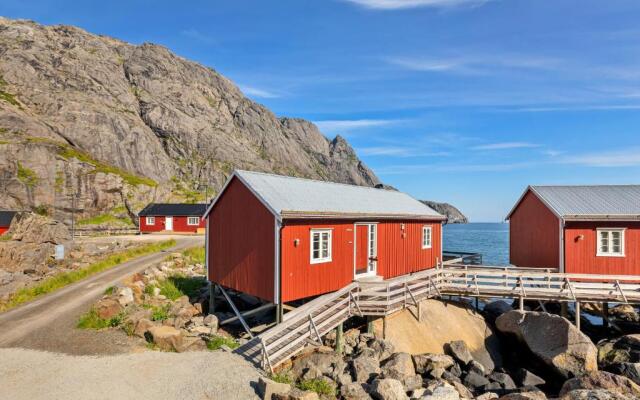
29	374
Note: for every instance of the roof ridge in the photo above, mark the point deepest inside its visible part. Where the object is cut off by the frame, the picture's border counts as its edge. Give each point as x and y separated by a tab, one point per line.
597	185
316	180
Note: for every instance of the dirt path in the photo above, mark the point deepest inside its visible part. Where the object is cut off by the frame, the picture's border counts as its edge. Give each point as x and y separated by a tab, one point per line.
153	375
49	322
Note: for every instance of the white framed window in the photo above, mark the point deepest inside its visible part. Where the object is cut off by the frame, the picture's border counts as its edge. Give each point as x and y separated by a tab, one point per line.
427	231
193	220
151	220
320	246
610	242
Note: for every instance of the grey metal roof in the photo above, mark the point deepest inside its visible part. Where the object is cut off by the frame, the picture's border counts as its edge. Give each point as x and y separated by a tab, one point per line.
291	197
173	209
591	202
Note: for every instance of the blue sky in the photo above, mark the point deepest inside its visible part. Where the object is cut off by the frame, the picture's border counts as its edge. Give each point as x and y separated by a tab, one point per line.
465	101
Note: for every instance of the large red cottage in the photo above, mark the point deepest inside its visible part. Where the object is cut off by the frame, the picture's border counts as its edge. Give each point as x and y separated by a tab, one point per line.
281	238
577	229
168	218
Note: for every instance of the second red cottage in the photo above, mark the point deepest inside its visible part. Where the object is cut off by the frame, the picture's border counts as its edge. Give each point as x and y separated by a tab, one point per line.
282	238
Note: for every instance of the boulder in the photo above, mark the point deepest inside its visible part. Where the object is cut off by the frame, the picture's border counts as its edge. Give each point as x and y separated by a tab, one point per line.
365	368
427	362
166	337
628	370
487	396
598	394
388	389
624	312
552	339
211	321
505	381
354	391
399	366
459	351
531	395
602	380
383	349
296	394
108	308
412	383
473	380
462	390
526	378
125	296
441	391
314	365
625	349
476	367
142	327
191	344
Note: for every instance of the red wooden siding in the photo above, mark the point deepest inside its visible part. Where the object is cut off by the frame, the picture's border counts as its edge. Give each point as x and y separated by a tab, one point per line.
398	254
302	279
534	235
580	253
179	225
3	229
242	243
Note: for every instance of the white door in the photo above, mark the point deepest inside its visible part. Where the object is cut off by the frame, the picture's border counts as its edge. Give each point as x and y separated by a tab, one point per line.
168	223
365	249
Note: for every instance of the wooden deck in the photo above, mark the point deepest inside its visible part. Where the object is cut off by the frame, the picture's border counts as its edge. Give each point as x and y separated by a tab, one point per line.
311	321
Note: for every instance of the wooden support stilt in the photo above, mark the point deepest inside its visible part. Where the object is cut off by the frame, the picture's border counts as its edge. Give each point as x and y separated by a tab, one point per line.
605	314
521	303
564	310
384	327
279	313
340	338
477	304
577	305
235	310
419	311
212	297
370	325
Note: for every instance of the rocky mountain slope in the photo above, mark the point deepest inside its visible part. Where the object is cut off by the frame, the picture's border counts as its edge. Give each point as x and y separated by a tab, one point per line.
454	216
92	123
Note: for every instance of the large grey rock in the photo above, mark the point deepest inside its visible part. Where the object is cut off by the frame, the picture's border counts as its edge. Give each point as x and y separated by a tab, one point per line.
314	365
530	395
354	391
166	338
399	366
596	394
628	370
552	339
388	389
602	380
383	349
496	308
473	380
526	378
365	368
505	381
460	352
267	388
441	391
427	362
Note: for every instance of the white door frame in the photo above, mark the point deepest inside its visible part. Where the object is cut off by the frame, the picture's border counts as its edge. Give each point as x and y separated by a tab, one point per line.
168	223
372	269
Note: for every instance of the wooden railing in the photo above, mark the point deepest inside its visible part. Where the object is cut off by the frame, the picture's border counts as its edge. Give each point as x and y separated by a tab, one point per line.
308	323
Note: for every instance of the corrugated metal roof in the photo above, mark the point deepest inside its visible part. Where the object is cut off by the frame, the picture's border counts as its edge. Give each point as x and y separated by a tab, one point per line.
291	197
596	201
169	209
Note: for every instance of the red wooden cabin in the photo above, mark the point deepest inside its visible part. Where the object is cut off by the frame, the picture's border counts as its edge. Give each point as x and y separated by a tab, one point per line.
281	238
178	218
5	220
577	229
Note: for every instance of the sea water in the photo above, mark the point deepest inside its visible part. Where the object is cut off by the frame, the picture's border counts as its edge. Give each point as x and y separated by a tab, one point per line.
489	239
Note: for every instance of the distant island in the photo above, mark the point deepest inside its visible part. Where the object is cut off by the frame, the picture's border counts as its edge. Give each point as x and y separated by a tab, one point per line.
454	216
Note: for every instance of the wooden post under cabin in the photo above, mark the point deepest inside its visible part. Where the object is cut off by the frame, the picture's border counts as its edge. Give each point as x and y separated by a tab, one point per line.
339	338
564	310
605	314
578	315
370	329
419	311
279	313
212	298
521	303
384	327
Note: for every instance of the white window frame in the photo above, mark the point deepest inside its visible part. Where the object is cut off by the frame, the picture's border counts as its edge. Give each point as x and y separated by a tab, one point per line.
320	259
425	229
197	219
151	220
610	253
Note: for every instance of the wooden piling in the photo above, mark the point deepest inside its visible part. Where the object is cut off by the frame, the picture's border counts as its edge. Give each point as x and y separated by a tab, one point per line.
577	305
212	297
340	338
605	314
370	329
419	311
521	303
564	310
384	327
279	313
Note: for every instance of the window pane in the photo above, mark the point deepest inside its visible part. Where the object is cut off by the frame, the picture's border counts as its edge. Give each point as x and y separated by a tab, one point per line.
316	254
604	242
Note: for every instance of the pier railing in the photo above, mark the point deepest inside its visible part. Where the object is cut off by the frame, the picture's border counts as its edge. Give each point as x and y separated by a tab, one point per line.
308	323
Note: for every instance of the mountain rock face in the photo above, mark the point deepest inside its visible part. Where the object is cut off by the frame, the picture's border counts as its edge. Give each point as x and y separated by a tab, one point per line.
454	216
90	123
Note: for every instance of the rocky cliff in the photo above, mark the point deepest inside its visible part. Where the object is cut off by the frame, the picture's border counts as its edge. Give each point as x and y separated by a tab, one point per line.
454	216
91	123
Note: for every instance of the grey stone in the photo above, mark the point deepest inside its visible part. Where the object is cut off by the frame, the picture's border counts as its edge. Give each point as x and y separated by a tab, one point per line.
354	391
427	362
505	381
398	366
595	394
365	368
602	380
383	349
476	367
474	380
459	351
267	388
527	378
388	389
628	370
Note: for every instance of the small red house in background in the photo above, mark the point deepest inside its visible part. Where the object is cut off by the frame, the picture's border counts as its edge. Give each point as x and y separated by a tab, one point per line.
178	218
5	220
282	238
577	229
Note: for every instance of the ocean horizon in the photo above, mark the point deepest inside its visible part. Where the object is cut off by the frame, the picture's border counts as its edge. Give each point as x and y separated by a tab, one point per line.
491	239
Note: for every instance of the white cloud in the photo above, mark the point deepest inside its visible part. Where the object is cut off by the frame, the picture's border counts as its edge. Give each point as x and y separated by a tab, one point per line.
398	151
257	92
419	168
505	146
475	64
601	107
339	126
404	4
616	158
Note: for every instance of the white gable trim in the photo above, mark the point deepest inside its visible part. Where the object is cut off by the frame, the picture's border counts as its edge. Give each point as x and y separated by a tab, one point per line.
244	182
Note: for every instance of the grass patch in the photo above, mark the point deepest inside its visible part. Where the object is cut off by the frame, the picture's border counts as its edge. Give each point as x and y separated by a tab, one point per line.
177	286
160	313
91	320
41	210
9	98
5	238
196	254
103	219
282	378
27	175
110	290
319	386
61	280
216	342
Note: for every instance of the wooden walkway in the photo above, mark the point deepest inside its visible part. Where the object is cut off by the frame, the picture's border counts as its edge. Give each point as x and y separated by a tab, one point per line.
308	323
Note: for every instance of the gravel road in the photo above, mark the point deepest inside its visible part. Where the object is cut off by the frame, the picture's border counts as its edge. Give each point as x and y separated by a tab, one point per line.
33	375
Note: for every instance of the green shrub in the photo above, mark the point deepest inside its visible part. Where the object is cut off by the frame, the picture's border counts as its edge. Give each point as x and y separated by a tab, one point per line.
216	342
53	283
103	219
110	290
27	176
319	386
160	313
195	254
41	210
282	378
177	286
91	320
